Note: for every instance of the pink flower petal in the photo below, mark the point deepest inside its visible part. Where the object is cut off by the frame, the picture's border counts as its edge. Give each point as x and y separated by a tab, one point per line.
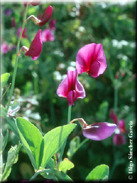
72	77
47	35
121	125
113	116
72	96
119	139
23	33
62	90
46	16
99	131
35	47
80	90
91	59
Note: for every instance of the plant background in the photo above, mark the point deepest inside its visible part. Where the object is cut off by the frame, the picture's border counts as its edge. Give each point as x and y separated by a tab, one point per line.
77	24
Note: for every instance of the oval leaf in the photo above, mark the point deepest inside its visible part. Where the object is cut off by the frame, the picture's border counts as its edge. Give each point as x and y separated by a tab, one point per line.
31	139
8	120
54	140
100	172
4	79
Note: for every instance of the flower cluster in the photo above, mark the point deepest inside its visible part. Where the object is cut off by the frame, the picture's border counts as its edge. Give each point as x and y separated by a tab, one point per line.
91	59
36	45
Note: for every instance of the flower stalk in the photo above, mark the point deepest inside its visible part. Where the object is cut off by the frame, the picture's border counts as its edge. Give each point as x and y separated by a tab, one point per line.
16	59
69	113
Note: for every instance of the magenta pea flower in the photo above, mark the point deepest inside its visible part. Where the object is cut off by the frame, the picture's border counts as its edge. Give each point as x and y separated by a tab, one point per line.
113	116
35	48
118	138
91	59
44	18
71	88
52	24
23	33
47	35
5	47
96	131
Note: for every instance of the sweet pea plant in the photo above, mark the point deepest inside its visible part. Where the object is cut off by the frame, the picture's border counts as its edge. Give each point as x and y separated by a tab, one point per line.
46	151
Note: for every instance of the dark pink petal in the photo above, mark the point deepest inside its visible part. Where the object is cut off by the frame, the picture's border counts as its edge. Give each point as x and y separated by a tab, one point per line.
35	47
72	77
62	90
72	96
91	59
99	131
23	33
121	125
113	116
119	139
46	16
94	69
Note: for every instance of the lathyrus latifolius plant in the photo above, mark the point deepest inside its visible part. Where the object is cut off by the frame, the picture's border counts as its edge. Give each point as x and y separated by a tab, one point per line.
46	151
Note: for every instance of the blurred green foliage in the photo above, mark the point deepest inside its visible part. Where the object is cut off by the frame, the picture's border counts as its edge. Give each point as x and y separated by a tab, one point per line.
77	24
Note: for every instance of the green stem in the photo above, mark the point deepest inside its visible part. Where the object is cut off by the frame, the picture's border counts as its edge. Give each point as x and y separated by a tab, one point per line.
16	60
69	113
63	147
1	156
115	99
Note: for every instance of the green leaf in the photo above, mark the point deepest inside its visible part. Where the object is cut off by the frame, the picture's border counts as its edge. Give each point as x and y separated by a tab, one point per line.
65	165
31	139
9	121
50	164
54	140
100	172
74	143
5	140
13	108
46	173
61	176
4	79
11	159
